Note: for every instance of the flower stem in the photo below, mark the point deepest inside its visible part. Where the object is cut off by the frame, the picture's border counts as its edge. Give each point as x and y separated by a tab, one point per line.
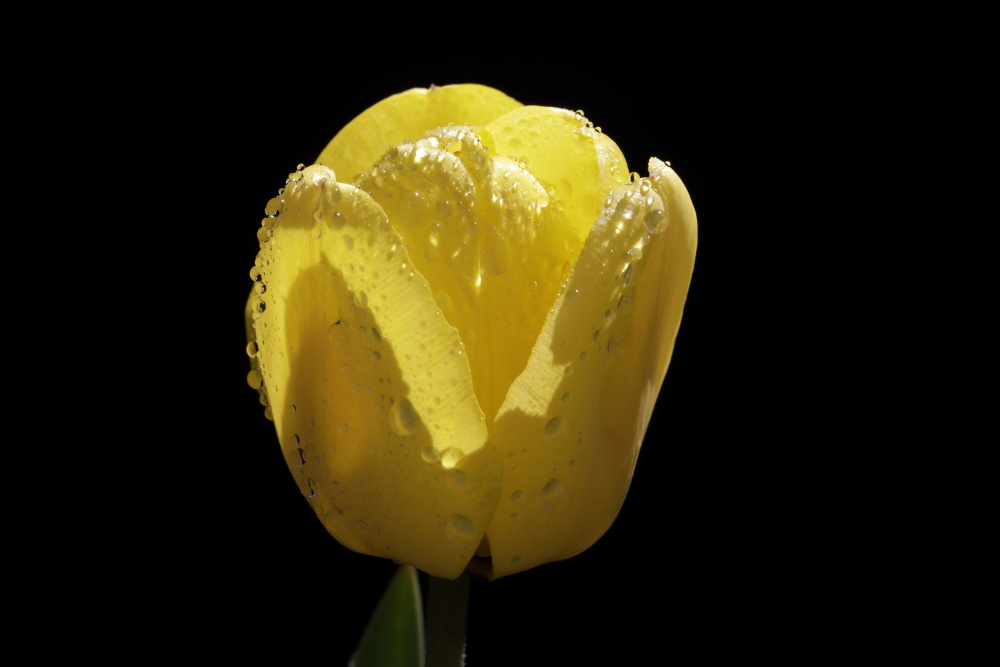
447	603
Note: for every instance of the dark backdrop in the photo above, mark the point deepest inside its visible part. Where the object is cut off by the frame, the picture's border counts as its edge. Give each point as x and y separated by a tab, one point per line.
819	464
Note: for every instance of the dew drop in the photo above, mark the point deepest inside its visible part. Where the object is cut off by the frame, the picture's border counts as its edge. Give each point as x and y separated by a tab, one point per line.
376	335
312	488
609	315
348	241
565	397
553	426
461	525
252	349
404	417
615	346
255	274
254	378
430	455
627	276
517	495
655	221
554	496
264	234
273	207
450	457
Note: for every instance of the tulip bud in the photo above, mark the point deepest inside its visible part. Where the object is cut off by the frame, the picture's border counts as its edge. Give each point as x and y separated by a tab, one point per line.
461	318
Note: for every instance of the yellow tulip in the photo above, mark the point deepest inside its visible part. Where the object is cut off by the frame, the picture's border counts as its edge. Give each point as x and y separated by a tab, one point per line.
461	318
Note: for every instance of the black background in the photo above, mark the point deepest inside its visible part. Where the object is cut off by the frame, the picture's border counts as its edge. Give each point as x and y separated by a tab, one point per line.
818	473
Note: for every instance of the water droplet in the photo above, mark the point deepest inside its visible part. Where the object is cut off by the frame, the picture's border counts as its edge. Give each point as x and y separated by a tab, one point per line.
615	346
430	455
302	457
254	378
252	349
553	426
457	478
451	457
312	488
260	288
583	355
565	397
625	304
404	417
316	230
461	525
517	495
273	207
633	177
255	274
627	276
655	221
264	234
348	241
554	496
259	305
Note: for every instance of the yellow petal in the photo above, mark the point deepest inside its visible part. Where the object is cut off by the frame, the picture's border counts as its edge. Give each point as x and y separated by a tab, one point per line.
496	234
409	115
369	389
571	426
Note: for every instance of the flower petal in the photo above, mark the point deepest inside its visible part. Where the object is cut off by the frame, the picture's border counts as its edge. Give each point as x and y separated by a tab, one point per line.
367	383
495	235
409	115
572	424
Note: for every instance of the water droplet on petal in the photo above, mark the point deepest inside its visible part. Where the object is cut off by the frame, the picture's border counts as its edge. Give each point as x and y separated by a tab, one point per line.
430	455
404	417
255	379
553	426
273	207
517	495
554	496
252	349
655	221
615	346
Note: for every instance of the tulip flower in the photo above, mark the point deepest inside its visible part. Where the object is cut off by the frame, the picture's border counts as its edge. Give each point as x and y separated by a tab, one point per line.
461	318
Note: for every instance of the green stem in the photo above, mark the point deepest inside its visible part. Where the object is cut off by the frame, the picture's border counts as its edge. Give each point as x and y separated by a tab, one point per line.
447	603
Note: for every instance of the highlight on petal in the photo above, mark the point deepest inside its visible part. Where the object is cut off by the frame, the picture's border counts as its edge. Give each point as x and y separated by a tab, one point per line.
367	383
570	429
407	116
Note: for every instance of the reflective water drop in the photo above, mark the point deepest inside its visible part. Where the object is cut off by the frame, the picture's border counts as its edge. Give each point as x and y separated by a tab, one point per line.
259	287
302	457
430	455
461	525
609	315
376	335
273	207
451	457
553	426
627	276
259	305
254	378
316	230
312	488
404	417
255	273
348	241
615	346
625	304
252	349
336	221
565	397
554	496
264	234
517	495
655	221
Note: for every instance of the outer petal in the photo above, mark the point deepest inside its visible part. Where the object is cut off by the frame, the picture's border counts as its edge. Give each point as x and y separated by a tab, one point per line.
409	115
368	386
572	424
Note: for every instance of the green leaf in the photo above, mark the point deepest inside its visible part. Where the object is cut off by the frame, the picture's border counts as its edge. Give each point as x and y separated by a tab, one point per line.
395	633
